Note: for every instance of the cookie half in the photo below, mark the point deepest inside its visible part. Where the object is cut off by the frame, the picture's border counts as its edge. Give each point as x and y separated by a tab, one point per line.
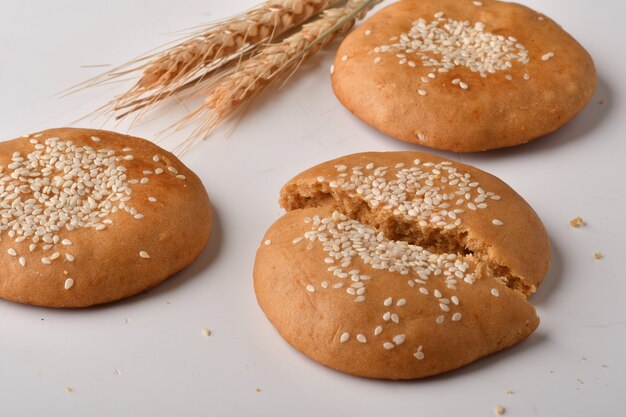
89	217
400	265
463	75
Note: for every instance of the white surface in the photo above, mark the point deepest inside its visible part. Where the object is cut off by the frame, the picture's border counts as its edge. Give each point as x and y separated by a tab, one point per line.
169	368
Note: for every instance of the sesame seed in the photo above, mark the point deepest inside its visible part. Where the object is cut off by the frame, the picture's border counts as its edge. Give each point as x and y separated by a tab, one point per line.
361	338
69	283
401	302
172	170
508	77
156	158
310	288
388	345
399	339
456	317
377	60
152	199
378	330
344	58
180	177
526	77
158	171
344	337
368	32
69	257
497	222
12	252
439	319
388	302
22	261
478	3
463	85
419	353
144	254
495	292
267	242
46	260
206	332
95	139
499	410
66	242
332	69
547	56
421	92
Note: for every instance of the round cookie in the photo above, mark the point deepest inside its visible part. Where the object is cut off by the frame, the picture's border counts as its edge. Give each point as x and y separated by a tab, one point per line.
89	217
400	265
462	75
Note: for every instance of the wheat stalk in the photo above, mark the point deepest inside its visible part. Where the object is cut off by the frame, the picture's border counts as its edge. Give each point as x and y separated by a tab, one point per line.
166	73
230	90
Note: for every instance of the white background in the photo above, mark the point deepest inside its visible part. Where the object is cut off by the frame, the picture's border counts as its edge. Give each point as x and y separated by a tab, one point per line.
166	367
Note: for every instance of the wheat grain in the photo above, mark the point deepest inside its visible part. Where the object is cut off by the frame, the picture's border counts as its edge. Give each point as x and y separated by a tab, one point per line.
207	50
230	90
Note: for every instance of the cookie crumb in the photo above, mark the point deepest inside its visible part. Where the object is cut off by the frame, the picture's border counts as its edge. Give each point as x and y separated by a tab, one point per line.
206	332
69	389
577	222
499	410
598	255
601	102
604	365
117	372
509	392
258	389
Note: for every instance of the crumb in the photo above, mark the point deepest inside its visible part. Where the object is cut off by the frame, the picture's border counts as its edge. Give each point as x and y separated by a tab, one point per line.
577	222
69	389
499	410
167	302
206	332
580	381
258	389
601	102
117	372
598	255
604	365
583	358
551	371
509	392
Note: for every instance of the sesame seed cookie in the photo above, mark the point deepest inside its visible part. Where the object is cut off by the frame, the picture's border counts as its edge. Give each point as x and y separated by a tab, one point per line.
462	75
400	265
89	217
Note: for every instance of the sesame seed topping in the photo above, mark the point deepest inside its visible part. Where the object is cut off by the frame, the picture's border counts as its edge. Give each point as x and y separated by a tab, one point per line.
439	319
158	171
95	139
69	283
421	92
456	316
368	32
310	288
399	339
463	85
267	242
152	199
172	169
156	158
144	254
12	252
344	58
547	56
478	3
401	302
419	354
344	337
377	60
388	302
444	44
495	292
378	330
332	69
66	242
361	338
69	257
22	261
497	222
388	345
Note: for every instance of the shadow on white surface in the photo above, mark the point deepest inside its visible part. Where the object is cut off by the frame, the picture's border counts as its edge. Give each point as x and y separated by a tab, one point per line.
553	278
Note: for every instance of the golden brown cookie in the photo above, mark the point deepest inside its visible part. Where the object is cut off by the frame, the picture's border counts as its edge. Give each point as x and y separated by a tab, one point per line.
463	75
90	216
400	265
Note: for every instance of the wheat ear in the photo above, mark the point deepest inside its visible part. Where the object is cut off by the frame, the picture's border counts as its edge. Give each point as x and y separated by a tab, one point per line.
163	74
230	90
